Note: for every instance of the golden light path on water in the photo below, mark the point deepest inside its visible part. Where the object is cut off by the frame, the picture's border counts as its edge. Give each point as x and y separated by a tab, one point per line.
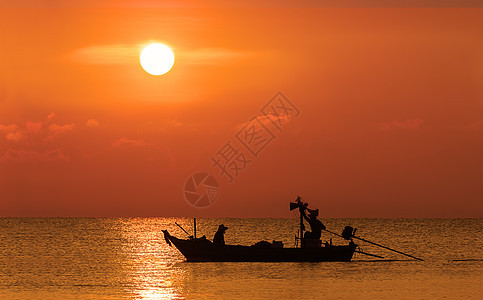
159	271
127	258
153	272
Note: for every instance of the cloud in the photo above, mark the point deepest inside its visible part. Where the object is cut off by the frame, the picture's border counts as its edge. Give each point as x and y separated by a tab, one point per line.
33	156
55	129
33	139
33	127
12	132
128	142
209	55
267	120
91	123
410	124
34	132
127	53
173	123
106	54
8	128
14	136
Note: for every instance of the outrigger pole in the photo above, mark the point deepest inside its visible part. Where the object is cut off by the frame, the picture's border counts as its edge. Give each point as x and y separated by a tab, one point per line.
364	240
358	251
182	229
368	254
379	245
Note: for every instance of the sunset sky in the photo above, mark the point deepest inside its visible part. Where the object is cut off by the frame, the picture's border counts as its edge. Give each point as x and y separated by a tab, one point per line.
390	104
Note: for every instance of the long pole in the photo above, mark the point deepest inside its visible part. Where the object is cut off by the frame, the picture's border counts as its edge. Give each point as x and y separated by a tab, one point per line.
182	229
333	232
369	254
356	237
364	240
358	251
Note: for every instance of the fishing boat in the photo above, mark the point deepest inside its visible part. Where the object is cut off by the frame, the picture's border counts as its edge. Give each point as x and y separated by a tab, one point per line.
307	248
203	250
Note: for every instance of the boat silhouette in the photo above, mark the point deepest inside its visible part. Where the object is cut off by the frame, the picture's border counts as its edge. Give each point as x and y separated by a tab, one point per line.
308	250
203	250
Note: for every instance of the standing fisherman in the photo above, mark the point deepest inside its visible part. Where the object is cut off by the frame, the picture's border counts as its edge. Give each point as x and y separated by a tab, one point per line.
315	225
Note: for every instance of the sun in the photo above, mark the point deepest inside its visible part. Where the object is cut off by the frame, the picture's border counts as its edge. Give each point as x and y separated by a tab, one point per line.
156	59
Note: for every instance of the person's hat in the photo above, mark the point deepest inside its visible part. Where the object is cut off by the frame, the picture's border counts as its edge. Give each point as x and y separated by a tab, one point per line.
222	227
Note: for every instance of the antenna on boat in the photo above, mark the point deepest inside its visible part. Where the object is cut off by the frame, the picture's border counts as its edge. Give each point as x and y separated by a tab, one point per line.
194	227
301	206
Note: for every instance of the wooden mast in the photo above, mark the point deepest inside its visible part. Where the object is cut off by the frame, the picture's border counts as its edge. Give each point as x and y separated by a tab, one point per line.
194	227
301	206
302	227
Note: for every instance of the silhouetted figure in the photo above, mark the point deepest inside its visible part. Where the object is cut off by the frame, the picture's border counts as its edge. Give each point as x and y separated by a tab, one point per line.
219	238
316	226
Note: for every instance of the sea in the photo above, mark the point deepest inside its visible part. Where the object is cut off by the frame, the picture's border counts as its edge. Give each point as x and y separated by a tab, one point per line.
128	258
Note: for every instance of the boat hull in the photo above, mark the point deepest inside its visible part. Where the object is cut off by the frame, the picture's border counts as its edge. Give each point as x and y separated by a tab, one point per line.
200	250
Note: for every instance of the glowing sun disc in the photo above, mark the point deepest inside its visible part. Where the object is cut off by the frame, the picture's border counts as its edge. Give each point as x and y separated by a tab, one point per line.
156	59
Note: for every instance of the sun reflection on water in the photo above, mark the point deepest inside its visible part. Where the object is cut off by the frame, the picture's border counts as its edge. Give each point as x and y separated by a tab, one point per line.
152	270
127	258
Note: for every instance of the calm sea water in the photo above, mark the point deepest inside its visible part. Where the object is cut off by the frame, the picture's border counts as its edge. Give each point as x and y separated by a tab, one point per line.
127	258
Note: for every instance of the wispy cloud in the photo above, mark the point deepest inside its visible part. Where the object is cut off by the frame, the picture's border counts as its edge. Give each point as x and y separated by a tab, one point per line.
30	130
268	120
14	136
32	156
33	127
106	54
173	123
129	142
410	124
25	140
129	53
8	128
55	129
92	123
208	56
12	132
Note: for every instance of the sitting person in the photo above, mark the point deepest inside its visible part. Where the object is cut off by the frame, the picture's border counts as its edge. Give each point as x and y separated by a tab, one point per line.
219	238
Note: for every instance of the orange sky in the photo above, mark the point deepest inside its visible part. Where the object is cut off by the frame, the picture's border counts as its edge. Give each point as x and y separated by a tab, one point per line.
390	100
